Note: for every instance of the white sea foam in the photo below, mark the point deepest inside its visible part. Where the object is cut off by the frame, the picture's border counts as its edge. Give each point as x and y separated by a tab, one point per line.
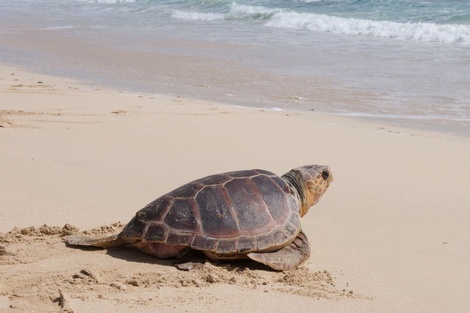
236	11
312	1
406	31
109	1
56	27
249	9
196	16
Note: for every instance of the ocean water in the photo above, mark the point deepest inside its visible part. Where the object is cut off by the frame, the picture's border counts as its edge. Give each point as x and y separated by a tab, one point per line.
403	61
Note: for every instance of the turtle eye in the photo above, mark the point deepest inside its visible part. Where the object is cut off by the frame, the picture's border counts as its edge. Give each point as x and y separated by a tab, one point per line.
325	174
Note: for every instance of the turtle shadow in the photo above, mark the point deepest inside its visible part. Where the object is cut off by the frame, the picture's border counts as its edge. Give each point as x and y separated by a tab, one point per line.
192	260
127	253
132	254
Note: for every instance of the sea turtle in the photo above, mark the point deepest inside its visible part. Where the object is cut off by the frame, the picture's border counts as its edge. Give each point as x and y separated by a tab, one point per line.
243	214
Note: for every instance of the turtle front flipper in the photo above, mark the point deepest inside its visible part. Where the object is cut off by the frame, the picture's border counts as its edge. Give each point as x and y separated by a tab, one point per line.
104	242
286	258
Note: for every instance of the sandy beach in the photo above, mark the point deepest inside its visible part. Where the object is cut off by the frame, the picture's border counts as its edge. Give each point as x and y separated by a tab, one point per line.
390	235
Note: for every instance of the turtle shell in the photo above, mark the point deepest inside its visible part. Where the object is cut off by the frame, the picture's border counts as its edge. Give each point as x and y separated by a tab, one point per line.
234	212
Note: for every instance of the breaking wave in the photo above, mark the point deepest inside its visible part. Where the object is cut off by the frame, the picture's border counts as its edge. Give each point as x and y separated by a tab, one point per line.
282	18
429	32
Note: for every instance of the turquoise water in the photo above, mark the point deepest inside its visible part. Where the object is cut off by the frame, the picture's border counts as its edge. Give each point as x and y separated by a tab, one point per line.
405	61
430	20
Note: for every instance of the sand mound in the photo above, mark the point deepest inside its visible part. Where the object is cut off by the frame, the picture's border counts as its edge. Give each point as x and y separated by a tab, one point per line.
125	274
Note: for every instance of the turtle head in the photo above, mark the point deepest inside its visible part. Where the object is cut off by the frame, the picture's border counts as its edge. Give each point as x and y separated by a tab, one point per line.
310	182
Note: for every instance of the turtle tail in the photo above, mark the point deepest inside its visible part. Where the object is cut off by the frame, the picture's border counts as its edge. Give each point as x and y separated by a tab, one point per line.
103	242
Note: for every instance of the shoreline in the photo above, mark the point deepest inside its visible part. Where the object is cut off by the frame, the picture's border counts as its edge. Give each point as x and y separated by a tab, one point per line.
407	124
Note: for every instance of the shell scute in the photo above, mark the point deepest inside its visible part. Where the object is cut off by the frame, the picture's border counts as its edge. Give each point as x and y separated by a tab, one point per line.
251	211
216	216
280	237
156	210
264	241
201	242
294	219
246	244
156	232
181	215
271	190
134	229
227	246
291	230
180	239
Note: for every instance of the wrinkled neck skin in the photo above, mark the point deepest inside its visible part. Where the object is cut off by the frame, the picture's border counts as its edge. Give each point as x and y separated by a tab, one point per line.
299	185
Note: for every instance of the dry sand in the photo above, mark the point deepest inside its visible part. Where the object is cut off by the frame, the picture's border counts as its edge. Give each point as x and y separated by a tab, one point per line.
391	235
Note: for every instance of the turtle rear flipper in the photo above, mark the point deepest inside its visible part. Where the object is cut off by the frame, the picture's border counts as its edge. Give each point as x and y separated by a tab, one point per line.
286	258
104	242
